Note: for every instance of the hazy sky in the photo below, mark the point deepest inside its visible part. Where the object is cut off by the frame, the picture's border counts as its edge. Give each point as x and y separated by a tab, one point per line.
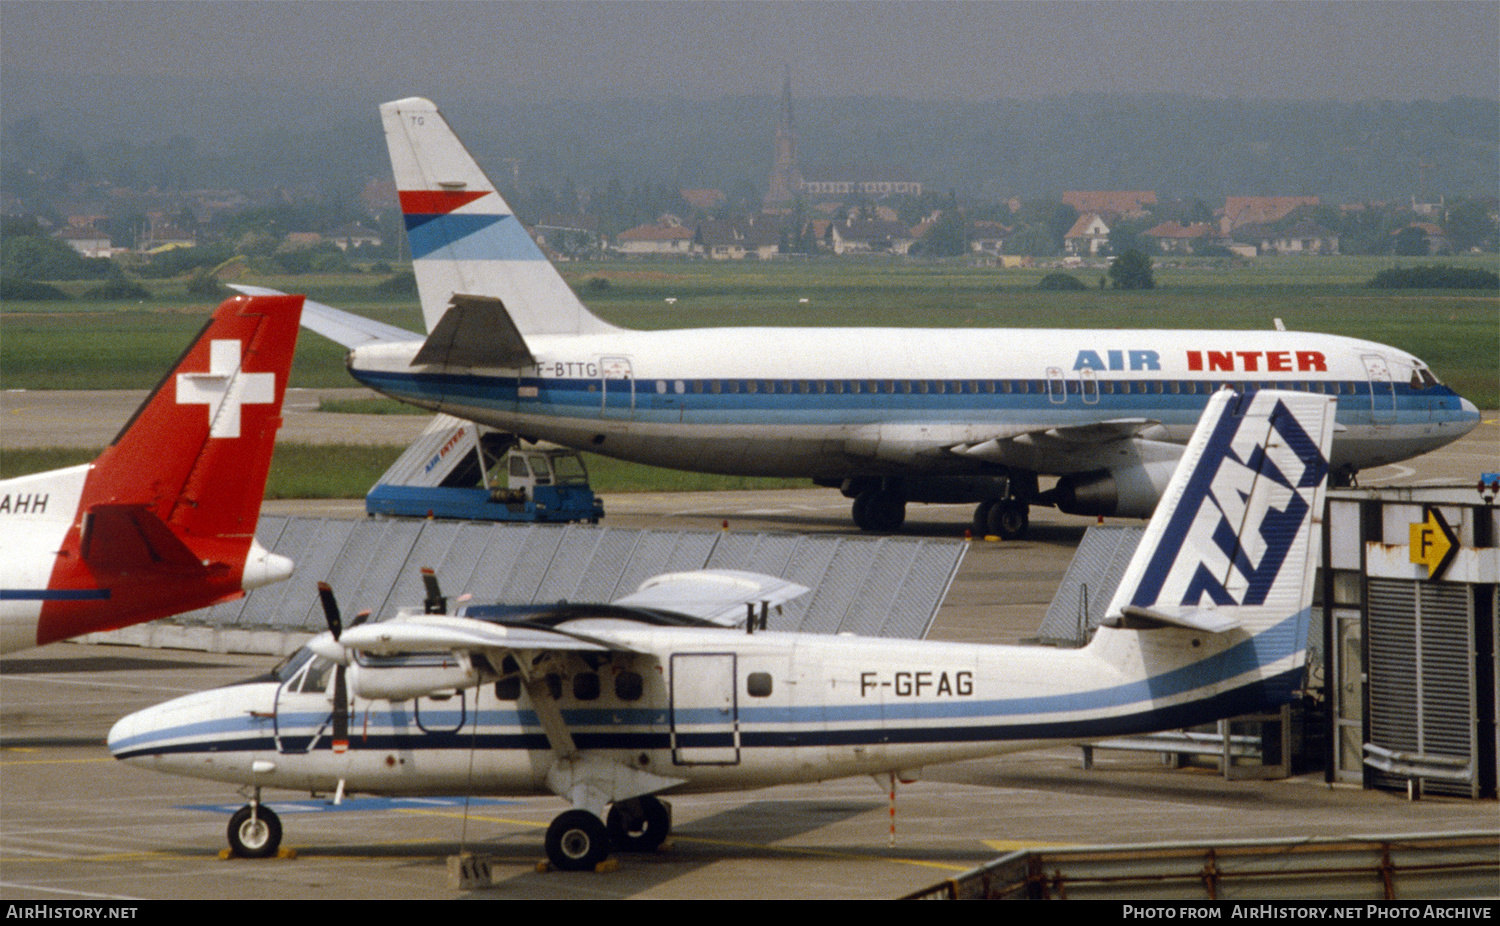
967	50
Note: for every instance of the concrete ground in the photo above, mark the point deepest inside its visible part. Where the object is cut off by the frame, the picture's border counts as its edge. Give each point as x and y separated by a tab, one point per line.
75	825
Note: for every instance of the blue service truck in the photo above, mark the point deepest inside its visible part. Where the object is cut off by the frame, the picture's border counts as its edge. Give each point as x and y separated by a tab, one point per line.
456	470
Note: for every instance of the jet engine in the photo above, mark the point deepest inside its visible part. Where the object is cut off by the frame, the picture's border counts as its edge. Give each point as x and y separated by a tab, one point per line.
1127	492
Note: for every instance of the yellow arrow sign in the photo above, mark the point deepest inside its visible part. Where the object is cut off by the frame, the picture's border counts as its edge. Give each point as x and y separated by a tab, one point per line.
1433	543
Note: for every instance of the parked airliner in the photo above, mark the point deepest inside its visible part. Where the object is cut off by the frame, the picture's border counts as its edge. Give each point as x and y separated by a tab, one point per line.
163	521
664	690
890	415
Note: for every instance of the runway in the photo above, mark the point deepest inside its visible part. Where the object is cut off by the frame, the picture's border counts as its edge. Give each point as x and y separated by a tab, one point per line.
75	825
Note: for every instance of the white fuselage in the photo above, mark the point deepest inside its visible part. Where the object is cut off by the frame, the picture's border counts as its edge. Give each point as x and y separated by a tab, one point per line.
35	514
827	403
716	709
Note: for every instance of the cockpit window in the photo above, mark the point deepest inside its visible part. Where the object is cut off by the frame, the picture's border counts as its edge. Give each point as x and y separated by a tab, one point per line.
291	664
1422	378
316	677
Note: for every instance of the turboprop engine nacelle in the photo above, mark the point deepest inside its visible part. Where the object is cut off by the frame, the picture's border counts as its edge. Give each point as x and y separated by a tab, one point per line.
401	678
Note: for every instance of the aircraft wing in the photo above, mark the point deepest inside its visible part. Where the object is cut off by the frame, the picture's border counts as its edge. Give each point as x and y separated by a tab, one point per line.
718	595
336	325
1001	449
430	633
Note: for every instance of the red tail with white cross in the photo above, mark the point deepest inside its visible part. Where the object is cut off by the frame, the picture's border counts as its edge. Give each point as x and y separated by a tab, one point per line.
166	516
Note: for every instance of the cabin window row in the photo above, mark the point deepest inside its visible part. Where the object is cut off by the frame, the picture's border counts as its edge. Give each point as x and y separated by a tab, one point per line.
628	686
1053	387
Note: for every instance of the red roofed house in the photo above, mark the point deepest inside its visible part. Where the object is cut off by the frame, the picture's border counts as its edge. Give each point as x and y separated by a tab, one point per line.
655	239
1260	210
1175	238
1089	236
1120	202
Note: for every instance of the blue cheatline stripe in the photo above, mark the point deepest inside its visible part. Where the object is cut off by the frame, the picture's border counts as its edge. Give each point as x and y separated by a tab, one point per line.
470	237
699	404
1255	696
51	594
986	719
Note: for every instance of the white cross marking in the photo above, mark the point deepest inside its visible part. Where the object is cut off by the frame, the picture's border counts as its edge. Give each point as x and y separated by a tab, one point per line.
224	388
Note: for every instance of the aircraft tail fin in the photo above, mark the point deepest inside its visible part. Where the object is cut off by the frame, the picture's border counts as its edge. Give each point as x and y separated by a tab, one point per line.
166	515
464	237
198	451
1235	539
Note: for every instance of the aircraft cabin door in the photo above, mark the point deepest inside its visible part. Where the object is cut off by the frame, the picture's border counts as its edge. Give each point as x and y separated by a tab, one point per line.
704	711
1382	389
616	387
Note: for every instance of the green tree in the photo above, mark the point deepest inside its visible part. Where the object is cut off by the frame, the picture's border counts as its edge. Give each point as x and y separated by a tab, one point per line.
1131	270
948	236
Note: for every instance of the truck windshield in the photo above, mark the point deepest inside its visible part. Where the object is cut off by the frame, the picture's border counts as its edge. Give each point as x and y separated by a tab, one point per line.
569	470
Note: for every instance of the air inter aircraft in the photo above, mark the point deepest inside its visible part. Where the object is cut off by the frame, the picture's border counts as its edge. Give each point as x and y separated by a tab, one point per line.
163	521
890	415
665	691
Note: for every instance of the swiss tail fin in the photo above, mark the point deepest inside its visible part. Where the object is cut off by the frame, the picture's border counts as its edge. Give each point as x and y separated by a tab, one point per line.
197	452
1234	540
464	238
166	516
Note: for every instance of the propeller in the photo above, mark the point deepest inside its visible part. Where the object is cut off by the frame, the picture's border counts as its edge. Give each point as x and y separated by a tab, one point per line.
340	686
435	603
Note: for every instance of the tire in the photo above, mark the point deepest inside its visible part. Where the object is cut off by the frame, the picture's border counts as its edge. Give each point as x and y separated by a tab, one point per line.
639	825
861	511
1009	519
254	833
982	517
577	841
886	512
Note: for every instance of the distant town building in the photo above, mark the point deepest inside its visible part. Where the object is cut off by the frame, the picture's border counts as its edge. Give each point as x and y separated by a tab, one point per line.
987	237
87	242
787	182
1089	236
1176	238
1240	211
655	239
758	236
786	178
704	200
870	236
1125	203
350	237
1302	238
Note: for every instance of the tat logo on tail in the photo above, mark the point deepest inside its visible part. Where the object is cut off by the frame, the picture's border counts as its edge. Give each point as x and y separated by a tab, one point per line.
1261	466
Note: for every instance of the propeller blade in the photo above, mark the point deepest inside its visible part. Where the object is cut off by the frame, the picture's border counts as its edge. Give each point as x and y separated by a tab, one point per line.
435	603
360	618
330	610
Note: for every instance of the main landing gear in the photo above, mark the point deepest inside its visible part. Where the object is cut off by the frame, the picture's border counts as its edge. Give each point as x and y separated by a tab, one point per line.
578	840
882	511
254	831
1006	518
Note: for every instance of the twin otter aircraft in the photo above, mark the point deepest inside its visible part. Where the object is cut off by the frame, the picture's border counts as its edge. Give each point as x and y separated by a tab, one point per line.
610	705
892	415
163	521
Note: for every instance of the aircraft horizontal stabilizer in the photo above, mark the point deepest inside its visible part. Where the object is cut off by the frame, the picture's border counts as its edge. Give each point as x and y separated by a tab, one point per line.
336	325
718	595
476	331
1207	621
132	540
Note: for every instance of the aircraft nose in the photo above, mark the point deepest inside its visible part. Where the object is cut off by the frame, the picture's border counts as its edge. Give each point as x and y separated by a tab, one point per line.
126	734
1467	417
